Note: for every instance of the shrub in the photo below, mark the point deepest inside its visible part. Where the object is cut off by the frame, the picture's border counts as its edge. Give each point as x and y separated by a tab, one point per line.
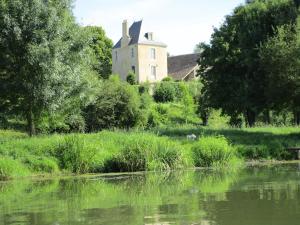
117	106
10	168
74	155
144	88
158	115
131	79
164	92
213	151
76	123
167	79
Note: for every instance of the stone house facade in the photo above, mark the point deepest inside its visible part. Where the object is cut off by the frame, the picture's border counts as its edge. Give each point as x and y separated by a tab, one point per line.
140	53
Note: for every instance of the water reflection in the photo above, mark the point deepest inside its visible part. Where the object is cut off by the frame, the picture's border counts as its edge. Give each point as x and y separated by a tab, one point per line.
251	196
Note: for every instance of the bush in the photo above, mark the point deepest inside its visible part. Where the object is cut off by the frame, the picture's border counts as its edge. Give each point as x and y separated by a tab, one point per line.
167	79
158	115
144	88
164	92
213	151
131	79
117	106
74	155
10	168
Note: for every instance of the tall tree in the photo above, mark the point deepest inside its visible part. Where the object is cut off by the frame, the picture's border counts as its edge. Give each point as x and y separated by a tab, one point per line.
101	46
231	70
41	56
280	57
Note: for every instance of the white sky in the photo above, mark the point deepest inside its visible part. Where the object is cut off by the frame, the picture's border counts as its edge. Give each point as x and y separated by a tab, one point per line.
181	24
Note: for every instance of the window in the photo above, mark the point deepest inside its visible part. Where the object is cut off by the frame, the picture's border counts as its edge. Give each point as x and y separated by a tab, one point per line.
153	72
132	53
152	53
133	69
116	56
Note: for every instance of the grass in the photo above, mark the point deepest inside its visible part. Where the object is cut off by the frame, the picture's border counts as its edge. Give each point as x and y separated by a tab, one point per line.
213	152
251	143
159	149
92	153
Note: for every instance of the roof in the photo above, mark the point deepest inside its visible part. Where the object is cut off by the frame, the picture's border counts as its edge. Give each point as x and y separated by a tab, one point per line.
136	38
180	66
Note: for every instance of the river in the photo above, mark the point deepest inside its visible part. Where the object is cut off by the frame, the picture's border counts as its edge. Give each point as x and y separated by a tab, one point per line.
255	195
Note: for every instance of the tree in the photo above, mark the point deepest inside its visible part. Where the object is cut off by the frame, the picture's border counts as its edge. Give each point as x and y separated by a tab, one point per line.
101	47
41	56
231	70
187	102
280	57
117	105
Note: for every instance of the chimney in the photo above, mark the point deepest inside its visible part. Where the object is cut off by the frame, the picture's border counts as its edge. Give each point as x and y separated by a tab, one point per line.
125	29
149	36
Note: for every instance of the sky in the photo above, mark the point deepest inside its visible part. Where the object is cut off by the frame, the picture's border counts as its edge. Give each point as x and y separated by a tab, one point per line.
181	24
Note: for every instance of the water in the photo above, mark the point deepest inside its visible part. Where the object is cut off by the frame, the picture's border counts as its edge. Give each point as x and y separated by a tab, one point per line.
264	195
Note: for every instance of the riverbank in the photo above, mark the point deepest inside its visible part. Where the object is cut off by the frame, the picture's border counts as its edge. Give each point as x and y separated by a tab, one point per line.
158	150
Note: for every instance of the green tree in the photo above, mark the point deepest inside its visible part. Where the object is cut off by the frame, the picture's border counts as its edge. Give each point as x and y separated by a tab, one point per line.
101	47
117	105
231	70
187	102
280	57
41	56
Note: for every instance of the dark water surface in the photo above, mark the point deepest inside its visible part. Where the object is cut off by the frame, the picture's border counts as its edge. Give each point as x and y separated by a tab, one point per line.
262	195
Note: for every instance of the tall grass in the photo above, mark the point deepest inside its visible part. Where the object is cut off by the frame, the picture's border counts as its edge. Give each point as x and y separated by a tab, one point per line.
147	152
92	153
157	150
10	168
74	155
213	151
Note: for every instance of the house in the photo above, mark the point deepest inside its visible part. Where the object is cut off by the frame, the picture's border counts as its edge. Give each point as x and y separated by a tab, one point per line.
140	53
183	67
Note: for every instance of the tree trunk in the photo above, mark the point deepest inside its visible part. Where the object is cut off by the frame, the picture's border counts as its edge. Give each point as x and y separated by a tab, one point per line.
30	123
250	117
297	117
205	117
267	117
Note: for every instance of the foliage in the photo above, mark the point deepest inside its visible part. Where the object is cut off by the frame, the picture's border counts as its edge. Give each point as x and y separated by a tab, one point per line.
167	79
117	105
213	151
187	103
231	69
101	46
283	86
131	78
43	57
164	92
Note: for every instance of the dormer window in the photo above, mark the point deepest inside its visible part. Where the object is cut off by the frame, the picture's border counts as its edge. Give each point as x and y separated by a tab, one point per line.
152	53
